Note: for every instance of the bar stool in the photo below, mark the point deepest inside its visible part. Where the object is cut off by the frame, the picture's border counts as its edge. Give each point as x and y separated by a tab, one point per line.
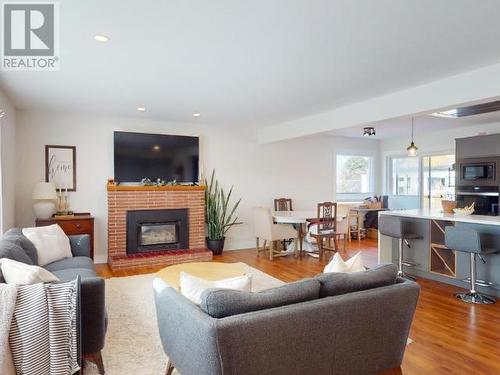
468	241
394	227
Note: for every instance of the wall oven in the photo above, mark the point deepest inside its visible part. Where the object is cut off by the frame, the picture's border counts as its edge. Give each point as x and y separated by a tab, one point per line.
486	198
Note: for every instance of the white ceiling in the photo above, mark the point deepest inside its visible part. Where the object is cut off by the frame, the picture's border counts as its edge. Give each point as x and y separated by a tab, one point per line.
424	124
253	62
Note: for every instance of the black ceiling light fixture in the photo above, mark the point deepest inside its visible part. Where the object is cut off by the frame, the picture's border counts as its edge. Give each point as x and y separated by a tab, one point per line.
368	132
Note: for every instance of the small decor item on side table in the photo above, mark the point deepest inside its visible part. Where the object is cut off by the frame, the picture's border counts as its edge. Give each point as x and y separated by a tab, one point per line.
220	217
44	194
63	204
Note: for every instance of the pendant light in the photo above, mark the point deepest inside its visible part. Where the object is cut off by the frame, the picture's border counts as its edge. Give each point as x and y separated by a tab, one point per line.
412	150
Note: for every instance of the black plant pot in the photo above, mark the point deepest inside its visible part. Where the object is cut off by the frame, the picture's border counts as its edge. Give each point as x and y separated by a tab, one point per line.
216	246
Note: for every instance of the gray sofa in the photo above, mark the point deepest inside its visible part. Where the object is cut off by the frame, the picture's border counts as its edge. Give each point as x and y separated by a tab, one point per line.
335	324
15	246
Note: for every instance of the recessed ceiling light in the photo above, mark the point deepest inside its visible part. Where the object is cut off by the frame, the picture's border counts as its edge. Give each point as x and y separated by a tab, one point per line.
101	38
196	114
141	109
156	148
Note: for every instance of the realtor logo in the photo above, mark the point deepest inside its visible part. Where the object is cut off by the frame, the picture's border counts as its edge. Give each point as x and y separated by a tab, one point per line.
30	36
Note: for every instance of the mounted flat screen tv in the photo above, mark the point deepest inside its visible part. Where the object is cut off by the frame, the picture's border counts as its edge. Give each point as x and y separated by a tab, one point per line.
153	156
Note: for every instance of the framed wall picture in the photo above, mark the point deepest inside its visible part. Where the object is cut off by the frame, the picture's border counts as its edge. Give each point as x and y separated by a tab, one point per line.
60	166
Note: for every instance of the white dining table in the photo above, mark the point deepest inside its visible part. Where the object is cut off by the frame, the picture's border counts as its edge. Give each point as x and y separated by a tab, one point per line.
299	218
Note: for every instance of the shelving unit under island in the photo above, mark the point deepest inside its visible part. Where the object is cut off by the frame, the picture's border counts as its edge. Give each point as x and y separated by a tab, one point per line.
433	260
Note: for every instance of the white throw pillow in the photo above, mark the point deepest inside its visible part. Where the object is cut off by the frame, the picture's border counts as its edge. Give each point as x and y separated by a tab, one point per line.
51	243
192	287
24	274
355	263
337	264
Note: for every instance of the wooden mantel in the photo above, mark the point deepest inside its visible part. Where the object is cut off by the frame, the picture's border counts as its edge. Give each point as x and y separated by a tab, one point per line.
114	187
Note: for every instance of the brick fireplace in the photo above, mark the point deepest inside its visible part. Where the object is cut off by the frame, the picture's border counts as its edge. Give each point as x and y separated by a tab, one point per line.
155	216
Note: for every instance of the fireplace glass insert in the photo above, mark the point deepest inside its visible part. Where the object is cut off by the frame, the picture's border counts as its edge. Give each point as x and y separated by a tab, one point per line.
157	230
151	234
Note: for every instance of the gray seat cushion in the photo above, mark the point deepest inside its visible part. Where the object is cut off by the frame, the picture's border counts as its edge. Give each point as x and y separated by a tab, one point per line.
72	273
16	235
334	284
67	263
220	303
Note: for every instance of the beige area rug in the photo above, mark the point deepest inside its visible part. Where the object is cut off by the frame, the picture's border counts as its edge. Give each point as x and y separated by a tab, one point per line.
133	345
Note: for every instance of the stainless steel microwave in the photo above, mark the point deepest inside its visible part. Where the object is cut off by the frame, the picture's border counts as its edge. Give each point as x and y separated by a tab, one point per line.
478	171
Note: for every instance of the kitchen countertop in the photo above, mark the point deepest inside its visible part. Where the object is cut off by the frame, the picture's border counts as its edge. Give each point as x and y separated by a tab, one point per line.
440	215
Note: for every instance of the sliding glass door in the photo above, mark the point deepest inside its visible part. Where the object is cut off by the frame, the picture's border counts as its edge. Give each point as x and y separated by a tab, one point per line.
421	182
438	180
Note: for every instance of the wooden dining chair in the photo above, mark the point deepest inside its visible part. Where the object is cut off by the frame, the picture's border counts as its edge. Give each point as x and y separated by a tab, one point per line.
283	204
326	223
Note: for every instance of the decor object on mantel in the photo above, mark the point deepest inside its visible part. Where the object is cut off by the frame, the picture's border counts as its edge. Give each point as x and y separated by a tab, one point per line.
44	194
60	167
218	214
159	182
412	149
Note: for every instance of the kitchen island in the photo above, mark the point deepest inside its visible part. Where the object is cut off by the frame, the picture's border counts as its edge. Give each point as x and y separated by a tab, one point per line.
430	257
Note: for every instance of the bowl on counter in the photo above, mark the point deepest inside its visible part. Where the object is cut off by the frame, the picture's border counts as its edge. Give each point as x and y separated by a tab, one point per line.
448	206
463	211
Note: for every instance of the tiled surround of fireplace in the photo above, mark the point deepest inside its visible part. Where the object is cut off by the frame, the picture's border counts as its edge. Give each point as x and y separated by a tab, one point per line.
126	198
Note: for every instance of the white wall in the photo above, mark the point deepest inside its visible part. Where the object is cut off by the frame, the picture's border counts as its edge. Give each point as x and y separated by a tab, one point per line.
8	162
302	169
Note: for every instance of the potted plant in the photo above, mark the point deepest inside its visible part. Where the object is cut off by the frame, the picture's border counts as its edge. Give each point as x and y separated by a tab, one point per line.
219	215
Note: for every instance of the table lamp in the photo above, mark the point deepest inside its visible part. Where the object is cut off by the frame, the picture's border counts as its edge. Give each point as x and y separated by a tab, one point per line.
44	194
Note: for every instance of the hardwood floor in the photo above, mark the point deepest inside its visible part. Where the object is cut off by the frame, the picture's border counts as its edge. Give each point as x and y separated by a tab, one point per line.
449	336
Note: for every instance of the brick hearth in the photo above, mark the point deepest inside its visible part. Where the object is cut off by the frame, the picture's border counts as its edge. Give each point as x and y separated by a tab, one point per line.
125	198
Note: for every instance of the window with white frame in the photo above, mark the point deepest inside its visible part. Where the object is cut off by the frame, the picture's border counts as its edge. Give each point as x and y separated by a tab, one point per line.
405	175
354	174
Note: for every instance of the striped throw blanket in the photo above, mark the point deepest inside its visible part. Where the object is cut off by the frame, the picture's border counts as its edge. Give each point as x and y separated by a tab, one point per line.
43	334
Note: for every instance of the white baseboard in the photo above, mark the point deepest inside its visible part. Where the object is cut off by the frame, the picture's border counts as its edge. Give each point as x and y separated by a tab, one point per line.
239	245
99	259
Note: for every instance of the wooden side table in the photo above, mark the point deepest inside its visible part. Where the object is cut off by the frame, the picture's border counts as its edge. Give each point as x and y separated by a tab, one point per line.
79	223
